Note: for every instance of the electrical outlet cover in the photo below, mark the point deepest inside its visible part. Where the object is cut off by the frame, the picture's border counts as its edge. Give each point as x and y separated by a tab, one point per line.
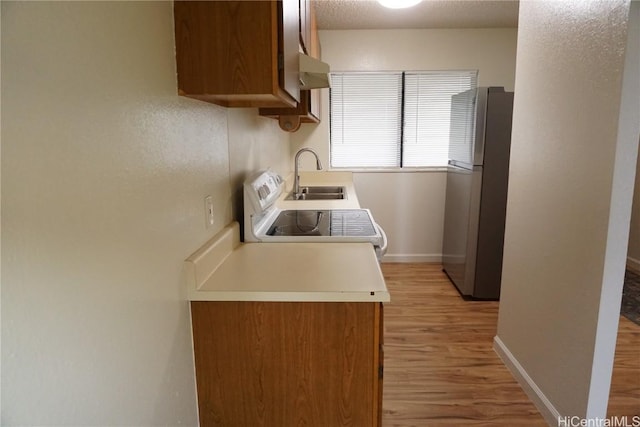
208	210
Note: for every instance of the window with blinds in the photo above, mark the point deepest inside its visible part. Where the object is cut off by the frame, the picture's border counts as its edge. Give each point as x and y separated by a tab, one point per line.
366	112
393	119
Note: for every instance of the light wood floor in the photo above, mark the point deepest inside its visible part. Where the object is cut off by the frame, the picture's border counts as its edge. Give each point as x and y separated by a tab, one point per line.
440	367
625	381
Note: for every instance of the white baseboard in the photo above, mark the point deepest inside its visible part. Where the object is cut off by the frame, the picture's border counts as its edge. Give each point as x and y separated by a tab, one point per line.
412	258
633	264
546	408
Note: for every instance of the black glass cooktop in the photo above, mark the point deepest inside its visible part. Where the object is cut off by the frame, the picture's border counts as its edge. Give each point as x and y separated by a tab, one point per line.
338	222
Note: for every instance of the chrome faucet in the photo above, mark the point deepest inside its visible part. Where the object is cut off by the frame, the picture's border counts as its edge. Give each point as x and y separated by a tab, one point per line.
296	178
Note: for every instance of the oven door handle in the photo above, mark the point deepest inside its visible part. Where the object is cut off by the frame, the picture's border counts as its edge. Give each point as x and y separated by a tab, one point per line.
383	248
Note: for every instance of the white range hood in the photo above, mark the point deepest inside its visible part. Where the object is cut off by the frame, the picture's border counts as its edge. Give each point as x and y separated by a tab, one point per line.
314	74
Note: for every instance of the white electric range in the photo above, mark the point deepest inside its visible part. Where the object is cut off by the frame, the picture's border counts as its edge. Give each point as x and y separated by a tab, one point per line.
265	222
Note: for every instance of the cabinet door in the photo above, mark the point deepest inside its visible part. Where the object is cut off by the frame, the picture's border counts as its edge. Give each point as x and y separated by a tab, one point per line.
286	363
308	108
313	113
305	25
290	42
238	53
380	361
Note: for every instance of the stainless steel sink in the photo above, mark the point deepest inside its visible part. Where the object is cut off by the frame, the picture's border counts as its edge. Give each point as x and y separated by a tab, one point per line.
319	196
318	190
319	193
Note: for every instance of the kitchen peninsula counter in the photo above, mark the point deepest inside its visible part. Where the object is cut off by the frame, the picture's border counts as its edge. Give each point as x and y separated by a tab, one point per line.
226	270
308	313
272	322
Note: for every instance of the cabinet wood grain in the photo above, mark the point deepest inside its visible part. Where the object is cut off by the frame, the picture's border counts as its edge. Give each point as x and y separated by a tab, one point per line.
308	109
238	53
287	364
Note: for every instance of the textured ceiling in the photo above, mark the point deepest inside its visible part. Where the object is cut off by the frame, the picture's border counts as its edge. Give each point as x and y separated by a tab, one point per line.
369	14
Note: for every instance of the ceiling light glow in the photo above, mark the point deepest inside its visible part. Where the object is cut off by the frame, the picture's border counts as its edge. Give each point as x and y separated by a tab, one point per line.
398	4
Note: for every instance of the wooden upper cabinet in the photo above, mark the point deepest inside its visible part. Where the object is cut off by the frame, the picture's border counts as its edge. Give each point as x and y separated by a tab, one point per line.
305	25
308	109
290	39
238	53
313	115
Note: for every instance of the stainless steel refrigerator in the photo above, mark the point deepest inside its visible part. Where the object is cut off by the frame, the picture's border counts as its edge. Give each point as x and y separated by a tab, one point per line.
476	195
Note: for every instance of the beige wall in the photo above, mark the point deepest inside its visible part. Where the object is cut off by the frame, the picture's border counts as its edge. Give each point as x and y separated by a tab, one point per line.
265	146
569	205
633	259
409	205
104	174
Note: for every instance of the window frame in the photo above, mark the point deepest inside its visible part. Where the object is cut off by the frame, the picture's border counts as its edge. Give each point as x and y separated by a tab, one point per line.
474	73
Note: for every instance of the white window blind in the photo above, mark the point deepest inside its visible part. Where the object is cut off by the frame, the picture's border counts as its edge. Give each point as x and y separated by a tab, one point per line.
427	112
393	120
365	119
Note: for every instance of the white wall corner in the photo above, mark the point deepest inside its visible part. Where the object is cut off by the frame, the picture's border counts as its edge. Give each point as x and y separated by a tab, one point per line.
0	251
619	219
546	408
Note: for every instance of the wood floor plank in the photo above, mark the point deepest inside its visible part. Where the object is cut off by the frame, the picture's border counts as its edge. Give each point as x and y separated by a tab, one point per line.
440	367
624	399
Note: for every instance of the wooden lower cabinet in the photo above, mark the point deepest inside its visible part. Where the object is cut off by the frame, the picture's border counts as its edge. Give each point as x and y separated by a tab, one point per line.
288	363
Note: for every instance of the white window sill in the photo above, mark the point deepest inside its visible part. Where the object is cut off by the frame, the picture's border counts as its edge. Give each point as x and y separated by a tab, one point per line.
392	170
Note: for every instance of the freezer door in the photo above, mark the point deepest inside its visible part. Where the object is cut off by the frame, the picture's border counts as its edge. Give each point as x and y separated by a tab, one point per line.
462	207
480	124
466	134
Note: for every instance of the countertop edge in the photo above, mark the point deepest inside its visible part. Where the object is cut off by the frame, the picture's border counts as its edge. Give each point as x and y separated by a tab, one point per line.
278	296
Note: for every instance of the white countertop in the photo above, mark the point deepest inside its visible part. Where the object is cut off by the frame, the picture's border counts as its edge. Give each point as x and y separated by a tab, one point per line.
226	270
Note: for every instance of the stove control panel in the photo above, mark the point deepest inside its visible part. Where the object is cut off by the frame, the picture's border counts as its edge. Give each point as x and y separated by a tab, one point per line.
264	189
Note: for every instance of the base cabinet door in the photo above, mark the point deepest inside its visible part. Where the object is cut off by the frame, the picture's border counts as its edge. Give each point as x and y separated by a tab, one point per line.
288	363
